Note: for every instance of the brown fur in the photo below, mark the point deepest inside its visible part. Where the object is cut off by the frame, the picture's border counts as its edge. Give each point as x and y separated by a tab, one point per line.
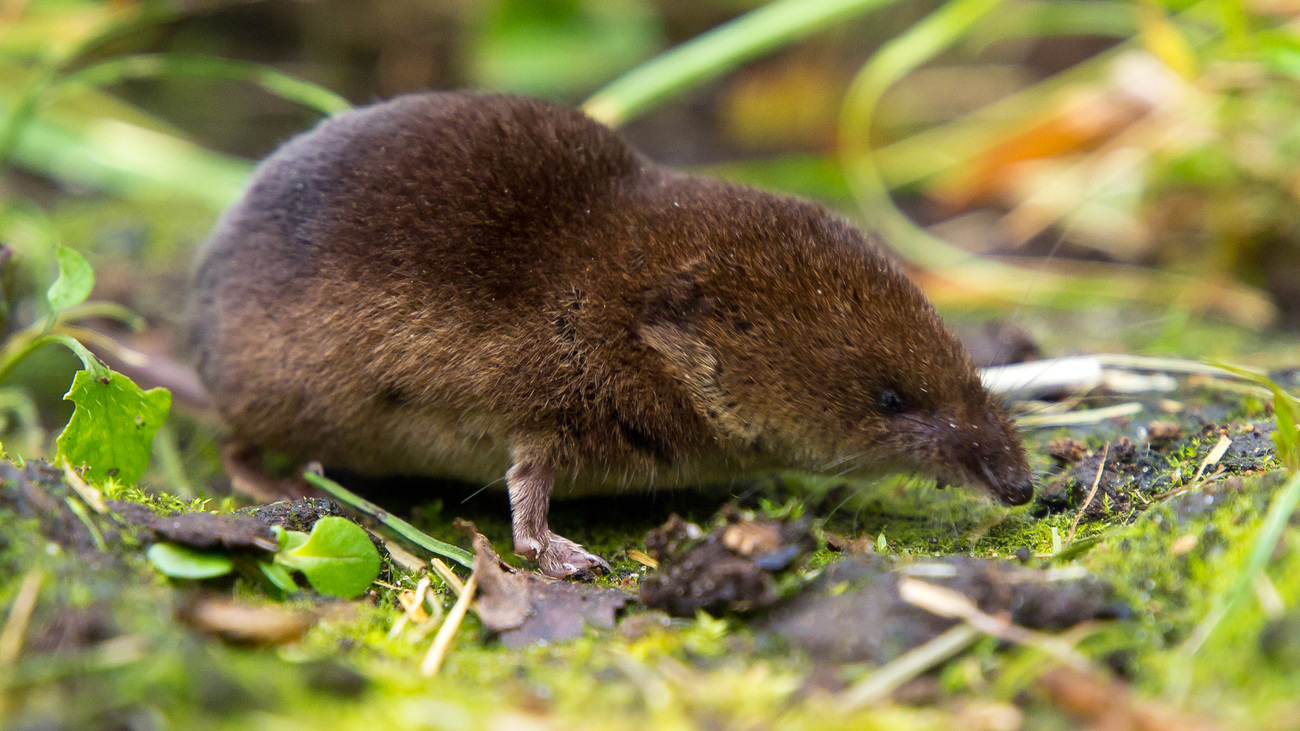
454	284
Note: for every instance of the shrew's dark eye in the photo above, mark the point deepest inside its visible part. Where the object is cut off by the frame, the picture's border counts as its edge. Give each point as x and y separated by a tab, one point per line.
891	403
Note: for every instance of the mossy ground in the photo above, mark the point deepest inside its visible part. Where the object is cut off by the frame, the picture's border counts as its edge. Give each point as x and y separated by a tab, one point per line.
104	647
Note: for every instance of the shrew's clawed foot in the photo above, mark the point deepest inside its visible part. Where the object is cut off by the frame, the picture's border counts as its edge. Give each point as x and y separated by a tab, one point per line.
564	559
561	558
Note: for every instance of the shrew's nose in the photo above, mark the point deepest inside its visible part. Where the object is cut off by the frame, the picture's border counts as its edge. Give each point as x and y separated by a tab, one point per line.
1018	492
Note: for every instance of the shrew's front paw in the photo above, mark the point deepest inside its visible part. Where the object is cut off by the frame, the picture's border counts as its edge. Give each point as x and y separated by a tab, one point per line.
561	558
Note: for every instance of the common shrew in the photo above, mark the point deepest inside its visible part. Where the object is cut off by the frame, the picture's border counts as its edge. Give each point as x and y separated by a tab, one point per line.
470	285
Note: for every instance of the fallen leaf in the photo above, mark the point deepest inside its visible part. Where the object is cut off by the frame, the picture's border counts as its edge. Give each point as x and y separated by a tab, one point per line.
525	607
245	624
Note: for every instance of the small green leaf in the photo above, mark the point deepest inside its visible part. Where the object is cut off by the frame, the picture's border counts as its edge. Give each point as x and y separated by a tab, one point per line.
338	558
112	427
75	281
278	576
183	562
288	539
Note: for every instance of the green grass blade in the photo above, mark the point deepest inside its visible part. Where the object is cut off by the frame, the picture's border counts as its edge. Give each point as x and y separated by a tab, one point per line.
397	525
1279	515
1038	20
993	279
1286	407
890	64
718	51
91	139
159	65
53	59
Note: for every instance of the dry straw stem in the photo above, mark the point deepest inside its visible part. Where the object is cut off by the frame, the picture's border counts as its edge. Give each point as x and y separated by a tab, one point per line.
11	637
1216	454
1078	418
945	602
1200	478
92	496
878	686
445	573
412	607
20	613
1092	492
442	640
642	558
403	557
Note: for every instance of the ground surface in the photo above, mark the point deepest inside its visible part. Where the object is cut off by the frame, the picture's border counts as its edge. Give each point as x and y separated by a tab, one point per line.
812	588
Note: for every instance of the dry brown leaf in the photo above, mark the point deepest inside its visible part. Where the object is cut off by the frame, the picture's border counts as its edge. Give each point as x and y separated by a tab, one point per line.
245	624
525	607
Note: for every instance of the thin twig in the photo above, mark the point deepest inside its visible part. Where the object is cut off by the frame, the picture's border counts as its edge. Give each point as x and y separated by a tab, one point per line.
1074	524
442	640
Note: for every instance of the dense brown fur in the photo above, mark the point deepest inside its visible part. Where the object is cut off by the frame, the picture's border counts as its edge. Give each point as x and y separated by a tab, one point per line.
457	284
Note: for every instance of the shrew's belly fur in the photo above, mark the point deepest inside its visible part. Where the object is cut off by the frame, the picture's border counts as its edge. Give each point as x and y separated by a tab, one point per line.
472	447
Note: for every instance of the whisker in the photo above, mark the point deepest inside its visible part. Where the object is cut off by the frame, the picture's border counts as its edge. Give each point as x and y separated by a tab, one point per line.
839	461
477	492
866	458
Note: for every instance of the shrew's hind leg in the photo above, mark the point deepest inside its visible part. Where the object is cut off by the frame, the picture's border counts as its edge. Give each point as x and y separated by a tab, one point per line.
530	500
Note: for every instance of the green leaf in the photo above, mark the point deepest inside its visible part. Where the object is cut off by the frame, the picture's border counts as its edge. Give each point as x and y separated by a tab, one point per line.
288	539
183	562
112	426
278	576
75	281
399	526
338	558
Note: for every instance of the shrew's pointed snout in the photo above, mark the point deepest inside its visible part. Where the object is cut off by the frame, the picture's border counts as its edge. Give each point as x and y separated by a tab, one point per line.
984	452
1018	492
1009	479
995	458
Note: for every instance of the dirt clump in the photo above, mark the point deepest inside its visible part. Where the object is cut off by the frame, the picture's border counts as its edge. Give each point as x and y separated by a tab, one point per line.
853	611
731	568
300	515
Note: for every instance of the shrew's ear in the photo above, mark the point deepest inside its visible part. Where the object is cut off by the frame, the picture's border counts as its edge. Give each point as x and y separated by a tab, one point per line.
678	298
669	319
673	321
